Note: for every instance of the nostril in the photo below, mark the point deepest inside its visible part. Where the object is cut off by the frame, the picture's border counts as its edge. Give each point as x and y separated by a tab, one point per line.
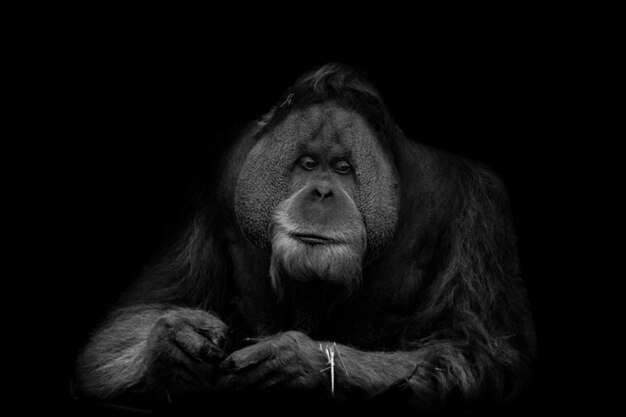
323	192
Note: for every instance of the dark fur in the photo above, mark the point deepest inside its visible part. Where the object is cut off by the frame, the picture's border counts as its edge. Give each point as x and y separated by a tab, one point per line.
442	302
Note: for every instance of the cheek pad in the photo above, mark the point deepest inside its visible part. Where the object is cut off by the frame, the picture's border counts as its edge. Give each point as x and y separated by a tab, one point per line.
376	197
263	183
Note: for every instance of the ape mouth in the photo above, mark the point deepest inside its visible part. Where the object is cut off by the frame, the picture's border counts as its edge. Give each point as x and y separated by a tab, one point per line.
313	239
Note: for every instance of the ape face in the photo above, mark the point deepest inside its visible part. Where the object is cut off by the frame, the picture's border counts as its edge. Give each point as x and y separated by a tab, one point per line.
320	193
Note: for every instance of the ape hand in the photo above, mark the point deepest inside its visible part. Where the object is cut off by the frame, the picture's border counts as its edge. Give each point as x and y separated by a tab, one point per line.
184	349
289	360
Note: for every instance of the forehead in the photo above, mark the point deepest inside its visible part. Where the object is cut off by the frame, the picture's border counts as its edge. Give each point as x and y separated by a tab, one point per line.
327	125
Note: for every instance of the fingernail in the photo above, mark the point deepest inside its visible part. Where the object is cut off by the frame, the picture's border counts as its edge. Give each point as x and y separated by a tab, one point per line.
251	340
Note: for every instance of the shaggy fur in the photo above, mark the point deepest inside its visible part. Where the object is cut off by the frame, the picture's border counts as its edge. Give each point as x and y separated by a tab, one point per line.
425	297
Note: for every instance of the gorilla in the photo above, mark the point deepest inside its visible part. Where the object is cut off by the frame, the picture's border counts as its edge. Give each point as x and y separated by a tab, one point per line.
330	259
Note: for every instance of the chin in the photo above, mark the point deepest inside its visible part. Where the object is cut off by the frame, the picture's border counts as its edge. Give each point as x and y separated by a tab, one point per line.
310	260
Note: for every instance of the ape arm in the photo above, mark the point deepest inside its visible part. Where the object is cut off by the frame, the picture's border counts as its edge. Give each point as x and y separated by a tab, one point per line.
161	339
152	352
114	359
440	373
472	338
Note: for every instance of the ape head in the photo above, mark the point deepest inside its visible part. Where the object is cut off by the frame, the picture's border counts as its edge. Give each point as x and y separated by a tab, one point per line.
318	188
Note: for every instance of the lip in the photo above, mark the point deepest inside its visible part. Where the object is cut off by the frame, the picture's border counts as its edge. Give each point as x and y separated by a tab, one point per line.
312	239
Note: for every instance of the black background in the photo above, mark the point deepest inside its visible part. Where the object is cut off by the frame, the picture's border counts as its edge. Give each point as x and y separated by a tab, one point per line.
150	103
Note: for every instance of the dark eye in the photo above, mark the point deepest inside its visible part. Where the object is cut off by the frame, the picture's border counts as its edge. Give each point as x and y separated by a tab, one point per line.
342	167
308	163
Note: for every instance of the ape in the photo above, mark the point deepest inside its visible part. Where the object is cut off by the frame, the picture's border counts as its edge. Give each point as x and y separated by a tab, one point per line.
332	257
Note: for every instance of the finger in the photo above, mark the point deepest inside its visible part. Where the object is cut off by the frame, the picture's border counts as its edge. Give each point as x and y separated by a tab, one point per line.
256	377
217	335
182	364
272	380
197	346
204	324
245	358
230	383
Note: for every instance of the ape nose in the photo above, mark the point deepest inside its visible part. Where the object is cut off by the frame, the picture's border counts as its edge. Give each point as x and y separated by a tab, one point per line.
322	191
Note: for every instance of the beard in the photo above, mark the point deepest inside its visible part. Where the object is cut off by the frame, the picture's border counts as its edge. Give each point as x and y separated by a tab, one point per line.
311	280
